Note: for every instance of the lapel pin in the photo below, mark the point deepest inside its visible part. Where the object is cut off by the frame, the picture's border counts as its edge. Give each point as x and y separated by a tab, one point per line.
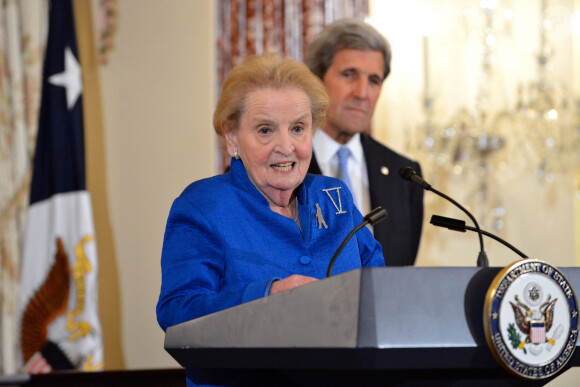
384	170
319	219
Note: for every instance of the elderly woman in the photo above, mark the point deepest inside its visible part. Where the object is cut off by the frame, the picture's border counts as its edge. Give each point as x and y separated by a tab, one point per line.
265	226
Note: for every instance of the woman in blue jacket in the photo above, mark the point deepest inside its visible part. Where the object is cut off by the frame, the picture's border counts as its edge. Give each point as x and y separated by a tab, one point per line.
266	225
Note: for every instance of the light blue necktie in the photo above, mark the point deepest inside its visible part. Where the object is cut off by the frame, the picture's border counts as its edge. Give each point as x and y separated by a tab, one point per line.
343	154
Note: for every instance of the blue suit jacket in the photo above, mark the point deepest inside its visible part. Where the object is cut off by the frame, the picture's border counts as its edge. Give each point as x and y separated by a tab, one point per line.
400	233
223	245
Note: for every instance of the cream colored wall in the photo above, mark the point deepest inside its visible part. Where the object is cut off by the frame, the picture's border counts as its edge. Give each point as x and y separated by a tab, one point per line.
157	97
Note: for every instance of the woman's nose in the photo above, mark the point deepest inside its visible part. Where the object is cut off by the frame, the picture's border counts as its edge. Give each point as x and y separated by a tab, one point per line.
285	144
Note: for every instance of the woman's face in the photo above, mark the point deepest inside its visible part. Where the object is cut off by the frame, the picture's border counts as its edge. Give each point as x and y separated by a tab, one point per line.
274	141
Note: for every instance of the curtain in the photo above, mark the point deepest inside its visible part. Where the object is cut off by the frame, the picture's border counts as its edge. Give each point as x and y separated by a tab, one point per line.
254	27
22	36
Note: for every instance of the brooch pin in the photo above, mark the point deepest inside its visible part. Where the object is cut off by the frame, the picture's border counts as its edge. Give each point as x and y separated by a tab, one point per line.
319	219
339	206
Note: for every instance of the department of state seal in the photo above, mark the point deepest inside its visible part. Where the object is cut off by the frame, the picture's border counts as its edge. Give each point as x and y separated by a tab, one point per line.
531	319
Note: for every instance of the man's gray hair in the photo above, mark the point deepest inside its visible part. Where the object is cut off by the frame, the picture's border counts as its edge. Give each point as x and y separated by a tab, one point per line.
347	33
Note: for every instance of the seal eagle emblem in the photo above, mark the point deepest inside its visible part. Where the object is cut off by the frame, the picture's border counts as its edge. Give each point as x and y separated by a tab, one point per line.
531	319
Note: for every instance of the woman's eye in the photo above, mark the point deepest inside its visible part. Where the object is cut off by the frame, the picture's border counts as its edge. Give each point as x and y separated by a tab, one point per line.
264	130
298	129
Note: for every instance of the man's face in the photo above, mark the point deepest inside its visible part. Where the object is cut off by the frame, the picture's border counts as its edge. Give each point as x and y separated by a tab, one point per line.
353	82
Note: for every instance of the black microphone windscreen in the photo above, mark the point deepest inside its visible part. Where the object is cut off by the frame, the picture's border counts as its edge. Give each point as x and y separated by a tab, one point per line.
450	223
376	215
406	172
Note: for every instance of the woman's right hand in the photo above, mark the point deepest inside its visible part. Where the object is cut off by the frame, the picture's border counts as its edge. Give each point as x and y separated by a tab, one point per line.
291	282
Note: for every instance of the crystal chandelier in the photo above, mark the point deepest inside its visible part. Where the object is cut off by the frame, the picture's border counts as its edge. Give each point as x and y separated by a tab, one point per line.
546	116
475	143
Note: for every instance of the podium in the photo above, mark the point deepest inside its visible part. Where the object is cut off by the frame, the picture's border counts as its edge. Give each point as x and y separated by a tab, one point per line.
407	326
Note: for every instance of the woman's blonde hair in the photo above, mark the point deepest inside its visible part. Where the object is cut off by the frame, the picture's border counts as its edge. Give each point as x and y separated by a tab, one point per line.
267	71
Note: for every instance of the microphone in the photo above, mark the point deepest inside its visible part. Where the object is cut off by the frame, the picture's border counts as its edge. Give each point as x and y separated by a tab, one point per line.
408	173
459	225
372	218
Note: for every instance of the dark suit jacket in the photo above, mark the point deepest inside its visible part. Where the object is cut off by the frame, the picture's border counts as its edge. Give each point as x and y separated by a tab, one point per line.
400	232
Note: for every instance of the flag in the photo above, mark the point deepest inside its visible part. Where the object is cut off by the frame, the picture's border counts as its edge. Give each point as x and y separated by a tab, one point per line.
59	323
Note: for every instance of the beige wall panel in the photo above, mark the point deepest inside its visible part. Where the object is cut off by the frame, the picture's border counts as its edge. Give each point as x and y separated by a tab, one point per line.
157	99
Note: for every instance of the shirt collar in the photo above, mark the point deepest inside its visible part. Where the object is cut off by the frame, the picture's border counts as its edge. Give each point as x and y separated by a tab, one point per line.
326	147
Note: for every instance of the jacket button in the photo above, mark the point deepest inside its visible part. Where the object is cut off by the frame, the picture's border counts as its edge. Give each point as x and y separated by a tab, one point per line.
304	260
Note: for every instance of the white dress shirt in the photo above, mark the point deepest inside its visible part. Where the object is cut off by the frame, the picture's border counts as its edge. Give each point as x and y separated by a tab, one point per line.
325	149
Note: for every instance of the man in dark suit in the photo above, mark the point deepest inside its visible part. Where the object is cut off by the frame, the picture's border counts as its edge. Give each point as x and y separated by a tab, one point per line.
353	60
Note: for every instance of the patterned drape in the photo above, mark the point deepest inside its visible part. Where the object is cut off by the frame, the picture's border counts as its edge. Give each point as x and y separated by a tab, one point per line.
248	27
22	38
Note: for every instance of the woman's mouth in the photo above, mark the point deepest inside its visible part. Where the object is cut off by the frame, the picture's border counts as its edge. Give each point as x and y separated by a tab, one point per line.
284	167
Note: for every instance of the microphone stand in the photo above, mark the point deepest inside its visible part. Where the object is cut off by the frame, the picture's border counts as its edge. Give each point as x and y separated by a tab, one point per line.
482	257
372	218
408	173
459	225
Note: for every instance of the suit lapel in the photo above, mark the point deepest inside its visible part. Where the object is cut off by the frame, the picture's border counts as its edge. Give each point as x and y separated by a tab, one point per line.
314	167
378	170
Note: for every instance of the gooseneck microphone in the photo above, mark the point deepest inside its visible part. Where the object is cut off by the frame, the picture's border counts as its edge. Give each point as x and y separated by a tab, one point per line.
408	173
372	218
459	225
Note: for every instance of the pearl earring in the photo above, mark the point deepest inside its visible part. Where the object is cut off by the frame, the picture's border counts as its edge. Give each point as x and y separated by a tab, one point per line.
236	155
